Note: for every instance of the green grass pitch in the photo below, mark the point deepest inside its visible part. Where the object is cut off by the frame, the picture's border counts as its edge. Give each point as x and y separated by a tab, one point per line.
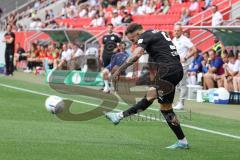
29	132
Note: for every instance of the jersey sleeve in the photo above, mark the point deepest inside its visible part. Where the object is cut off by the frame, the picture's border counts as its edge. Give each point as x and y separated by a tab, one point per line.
199	61
103	40
188	43
144	40
217	63
118	39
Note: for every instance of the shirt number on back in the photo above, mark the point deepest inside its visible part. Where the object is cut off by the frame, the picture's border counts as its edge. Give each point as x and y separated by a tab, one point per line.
172	47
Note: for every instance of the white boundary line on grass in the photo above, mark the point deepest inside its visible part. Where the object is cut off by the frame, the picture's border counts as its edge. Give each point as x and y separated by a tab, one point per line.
184	125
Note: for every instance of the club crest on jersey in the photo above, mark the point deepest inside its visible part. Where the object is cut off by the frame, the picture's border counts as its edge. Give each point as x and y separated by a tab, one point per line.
140	41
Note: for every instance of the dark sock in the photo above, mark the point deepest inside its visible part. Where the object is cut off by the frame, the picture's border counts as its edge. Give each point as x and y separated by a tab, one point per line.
30	65
173	123
139	107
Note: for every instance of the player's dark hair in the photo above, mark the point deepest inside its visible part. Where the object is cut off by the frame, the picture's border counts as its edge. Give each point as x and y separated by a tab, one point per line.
231	55
133	27
110	24
206	53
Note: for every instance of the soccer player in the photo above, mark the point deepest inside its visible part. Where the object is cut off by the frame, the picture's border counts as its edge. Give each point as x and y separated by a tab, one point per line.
186	50
162	51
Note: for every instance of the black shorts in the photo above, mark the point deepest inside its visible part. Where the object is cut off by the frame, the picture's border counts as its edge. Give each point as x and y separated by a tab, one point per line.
166	84
106	59
22	58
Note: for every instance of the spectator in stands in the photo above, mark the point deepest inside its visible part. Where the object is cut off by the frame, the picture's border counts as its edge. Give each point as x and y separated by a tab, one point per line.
194	68
127	17
184	16
97	21
124	3
92	11
34	14
116	61
113	3
12	19
51	14
215	70
179	1
236	78
47	15
165	7
84	12
37	5
116	18
104	3
141	9
93	2
35	23
217	18
72	9
194	7
64	11
149	7
207	4
158	6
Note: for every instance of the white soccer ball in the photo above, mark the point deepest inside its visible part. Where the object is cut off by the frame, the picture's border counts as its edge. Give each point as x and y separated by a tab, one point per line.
54	104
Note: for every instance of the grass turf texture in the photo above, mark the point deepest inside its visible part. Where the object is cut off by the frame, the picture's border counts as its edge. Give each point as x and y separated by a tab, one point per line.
29	132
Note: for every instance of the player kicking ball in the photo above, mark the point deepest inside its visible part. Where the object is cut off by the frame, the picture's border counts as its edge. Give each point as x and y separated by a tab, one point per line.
161	49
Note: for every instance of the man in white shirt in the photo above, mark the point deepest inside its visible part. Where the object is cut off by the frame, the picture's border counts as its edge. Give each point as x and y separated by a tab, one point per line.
97	21
194	6
230	70
141	9
116	19
185	49
236	78
217	18
77	58
65	57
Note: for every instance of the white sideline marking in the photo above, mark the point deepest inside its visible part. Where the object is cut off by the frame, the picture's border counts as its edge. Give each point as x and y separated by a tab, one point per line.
184	125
